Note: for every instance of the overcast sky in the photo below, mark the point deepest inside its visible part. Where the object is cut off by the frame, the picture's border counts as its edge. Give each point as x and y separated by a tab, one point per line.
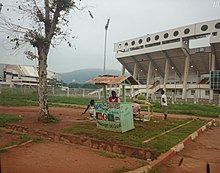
129	19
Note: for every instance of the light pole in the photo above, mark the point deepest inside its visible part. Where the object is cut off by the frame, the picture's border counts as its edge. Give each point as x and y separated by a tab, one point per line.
106	29
1	7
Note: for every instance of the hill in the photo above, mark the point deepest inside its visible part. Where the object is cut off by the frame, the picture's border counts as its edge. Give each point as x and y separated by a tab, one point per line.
81	76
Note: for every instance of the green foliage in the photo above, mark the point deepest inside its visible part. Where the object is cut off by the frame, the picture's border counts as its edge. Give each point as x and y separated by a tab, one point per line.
6	118
120	169
50	119
188	109
141	97
111	155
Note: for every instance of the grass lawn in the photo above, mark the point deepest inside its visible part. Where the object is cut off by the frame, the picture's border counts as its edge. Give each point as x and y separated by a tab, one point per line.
142	132
6	118
19	98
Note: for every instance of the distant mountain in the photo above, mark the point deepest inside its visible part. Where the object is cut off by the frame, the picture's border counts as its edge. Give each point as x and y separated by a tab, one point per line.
81	76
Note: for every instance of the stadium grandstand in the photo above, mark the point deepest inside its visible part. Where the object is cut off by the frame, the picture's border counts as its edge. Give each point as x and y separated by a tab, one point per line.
167	60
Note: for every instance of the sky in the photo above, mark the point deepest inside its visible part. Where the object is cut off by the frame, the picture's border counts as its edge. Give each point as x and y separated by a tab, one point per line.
128	19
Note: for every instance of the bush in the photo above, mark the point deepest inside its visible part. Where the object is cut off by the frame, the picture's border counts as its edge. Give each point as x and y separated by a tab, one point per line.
141	97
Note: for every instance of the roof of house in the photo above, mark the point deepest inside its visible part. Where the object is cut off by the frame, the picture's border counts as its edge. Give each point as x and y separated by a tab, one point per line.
113	79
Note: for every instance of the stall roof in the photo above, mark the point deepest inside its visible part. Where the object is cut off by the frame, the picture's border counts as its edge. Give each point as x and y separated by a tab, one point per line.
113	79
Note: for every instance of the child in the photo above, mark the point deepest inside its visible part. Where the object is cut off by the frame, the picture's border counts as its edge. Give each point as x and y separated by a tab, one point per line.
91	108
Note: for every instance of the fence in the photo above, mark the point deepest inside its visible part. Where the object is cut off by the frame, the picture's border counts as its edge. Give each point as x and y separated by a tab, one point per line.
60	91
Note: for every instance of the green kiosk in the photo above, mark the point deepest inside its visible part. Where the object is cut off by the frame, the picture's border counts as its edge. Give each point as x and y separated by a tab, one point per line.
112	116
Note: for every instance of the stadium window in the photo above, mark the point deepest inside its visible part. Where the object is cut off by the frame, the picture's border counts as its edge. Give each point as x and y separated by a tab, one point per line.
148	39
207	92
140	41
157	37
217	25
186	31
193	92
176	33
166	35
133	43
204	27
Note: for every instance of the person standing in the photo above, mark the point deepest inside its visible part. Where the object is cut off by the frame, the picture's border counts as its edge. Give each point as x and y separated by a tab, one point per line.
114	97
164	104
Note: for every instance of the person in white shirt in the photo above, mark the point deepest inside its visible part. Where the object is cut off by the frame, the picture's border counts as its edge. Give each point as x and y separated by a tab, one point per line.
91	108
164	104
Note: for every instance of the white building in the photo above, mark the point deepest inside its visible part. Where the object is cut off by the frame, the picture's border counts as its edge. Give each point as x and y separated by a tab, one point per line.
22	75
166	60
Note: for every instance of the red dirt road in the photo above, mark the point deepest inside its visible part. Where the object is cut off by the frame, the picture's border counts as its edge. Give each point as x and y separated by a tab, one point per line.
55	157
48	157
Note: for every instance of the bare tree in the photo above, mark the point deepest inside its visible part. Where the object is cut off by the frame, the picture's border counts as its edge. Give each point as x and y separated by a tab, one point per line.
41	24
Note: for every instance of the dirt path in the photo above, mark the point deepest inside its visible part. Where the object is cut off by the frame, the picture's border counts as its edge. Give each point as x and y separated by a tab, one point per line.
56	158
206	148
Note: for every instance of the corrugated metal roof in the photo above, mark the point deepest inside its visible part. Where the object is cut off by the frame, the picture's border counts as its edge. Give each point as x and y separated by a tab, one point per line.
113	79
30	71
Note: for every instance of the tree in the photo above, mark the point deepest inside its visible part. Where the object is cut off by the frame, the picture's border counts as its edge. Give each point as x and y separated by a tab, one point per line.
40	23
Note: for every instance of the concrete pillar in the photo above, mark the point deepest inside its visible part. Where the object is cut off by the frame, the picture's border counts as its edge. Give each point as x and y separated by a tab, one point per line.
186	71
135	71
149	74
213	65
166	74
123	70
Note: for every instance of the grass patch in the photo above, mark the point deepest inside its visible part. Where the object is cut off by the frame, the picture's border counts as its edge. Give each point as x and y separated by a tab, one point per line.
51	119
6	118
25	97
121	169
189	109
155	170
111	155
142	132
24	138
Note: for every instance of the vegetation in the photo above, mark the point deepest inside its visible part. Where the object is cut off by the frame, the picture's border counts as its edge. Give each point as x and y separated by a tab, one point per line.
189	109
6	118
142	132
22	97
22	139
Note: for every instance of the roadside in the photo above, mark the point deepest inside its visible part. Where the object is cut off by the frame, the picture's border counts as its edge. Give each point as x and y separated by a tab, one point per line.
195	156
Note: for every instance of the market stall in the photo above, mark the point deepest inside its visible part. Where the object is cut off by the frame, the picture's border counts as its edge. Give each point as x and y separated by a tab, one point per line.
114	116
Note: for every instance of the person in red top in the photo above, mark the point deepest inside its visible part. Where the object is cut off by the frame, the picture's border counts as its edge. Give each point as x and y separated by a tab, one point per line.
114	97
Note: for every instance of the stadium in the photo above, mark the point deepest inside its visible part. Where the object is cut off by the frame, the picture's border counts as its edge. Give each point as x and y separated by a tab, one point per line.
168	60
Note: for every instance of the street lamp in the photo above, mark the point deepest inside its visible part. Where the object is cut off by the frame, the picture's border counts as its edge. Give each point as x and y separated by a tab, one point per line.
106	28
1	7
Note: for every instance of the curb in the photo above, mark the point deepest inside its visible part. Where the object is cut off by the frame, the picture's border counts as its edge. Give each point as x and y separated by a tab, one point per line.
14	146
174	150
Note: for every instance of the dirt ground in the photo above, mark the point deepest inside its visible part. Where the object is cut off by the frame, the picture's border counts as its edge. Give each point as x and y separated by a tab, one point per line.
205	149
55	157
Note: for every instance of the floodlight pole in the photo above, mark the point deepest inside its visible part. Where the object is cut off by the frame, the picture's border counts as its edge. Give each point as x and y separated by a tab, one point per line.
1	7
106	29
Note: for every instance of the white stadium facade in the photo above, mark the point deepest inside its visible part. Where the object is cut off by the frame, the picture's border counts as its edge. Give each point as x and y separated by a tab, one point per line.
166	60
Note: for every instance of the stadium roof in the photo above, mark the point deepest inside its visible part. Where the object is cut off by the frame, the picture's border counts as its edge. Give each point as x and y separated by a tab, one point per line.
171	45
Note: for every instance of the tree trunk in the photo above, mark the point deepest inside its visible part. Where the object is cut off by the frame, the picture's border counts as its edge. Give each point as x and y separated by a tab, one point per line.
42	88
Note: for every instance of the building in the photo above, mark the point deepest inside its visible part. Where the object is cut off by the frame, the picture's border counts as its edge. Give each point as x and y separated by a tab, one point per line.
166	60
21	75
